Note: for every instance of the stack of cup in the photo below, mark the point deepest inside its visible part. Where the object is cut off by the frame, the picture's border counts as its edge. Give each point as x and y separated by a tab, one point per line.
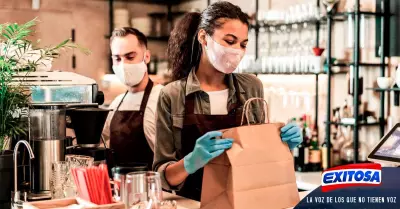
121	18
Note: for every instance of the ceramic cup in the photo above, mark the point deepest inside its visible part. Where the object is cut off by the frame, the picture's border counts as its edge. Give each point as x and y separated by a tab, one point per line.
384	82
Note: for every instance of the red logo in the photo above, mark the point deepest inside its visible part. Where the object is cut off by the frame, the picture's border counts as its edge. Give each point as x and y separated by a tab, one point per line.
367	174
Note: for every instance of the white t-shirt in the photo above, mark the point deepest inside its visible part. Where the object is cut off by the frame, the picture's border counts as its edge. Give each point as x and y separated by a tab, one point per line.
132	102
219	102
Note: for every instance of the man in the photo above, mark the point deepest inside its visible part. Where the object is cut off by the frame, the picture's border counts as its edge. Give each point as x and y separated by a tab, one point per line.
130	127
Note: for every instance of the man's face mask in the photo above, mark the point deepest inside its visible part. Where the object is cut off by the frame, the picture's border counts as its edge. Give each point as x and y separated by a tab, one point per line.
130	74
224	59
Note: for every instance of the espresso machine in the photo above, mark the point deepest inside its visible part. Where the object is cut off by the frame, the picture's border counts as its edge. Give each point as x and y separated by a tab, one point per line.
55	98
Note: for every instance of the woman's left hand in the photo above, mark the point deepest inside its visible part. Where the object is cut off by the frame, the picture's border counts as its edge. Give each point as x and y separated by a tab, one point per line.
291	134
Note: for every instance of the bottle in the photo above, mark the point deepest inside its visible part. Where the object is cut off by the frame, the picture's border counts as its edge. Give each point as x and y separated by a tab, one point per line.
307	126
346	111
350	82
335	119
315	155
295	153
335	148
295	150
303	157
324	153
305	152
362	113
298	154
396	98
301	160
309	122
347	151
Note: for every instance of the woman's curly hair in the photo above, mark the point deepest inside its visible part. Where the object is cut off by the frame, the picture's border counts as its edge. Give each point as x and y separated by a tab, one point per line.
184	50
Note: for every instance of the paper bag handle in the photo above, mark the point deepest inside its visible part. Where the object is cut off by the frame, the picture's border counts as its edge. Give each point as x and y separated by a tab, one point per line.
246	110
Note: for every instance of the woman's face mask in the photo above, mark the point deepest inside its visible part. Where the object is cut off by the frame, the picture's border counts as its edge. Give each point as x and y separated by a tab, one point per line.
130	74
224	59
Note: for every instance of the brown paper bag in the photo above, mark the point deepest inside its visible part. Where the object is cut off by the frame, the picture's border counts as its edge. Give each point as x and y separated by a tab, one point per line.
257	172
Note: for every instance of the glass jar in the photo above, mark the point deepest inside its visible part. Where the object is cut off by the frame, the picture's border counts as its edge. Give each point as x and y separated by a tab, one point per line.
337	144
347	152
75	161
59	178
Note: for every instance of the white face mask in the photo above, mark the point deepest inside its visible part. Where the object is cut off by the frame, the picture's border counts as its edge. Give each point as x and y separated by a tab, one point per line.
224	59
130	74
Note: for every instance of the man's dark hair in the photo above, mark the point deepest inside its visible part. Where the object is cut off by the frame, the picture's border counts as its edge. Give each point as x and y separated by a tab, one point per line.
122	32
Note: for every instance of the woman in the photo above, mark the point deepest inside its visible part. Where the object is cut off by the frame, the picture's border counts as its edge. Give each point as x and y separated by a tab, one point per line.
204	50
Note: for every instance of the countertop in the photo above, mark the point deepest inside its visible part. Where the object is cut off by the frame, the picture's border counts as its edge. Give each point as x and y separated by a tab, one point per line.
308	180
184	203
305	181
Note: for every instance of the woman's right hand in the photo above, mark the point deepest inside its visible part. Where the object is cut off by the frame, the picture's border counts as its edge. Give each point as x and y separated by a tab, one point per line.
205	149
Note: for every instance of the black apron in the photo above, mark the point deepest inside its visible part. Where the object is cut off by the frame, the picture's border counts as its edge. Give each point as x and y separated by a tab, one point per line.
195	126
127	138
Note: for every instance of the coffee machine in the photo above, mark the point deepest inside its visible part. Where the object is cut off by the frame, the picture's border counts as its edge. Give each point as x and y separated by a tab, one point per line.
88	124
53	96
47	139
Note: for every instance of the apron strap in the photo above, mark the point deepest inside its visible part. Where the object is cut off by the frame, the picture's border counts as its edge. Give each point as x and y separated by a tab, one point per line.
121	100
238	102
189	104
146	95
